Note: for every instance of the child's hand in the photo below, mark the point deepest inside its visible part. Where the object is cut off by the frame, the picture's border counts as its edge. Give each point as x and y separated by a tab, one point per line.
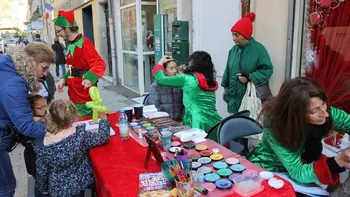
164	60
102	115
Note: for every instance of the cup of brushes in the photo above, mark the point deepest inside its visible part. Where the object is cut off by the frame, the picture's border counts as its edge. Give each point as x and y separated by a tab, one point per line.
95	104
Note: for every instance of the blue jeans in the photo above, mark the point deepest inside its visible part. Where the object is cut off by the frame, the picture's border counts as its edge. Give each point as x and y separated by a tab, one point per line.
63	66
7	178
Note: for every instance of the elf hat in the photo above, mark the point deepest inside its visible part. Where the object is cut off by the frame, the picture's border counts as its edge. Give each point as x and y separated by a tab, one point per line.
245	25
66	19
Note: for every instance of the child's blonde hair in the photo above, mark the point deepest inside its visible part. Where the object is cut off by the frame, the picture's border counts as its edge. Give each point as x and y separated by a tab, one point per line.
61	115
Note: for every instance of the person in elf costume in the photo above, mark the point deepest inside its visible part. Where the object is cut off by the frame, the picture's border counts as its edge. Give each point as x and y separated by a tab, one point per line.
247	61
295	122
85	64
199	85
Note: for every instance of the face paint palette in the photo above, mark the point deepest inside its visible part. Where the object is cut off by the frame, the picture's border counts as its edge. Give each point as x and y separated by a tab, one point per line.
194	156
224	173
238	168
204	160
189	145
220	165
173	149
201	147
211	177
223	184
175	144
232	161
216	157
196	165
205	170
205	153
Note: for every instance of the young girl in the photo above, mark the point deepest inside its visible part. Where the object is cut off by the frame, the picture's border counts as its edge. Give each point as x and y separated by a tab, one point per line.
199	85
38	105
167	99
63	165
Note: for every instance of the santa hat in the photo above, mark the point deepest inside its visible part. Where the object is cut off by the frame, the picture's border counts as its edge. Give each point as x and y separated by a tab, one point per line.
66	19
245	25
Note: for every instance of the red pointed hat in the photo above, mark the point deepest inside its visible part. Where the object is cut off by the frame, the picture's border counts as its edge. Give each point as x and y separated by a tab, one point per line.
245	25
66	19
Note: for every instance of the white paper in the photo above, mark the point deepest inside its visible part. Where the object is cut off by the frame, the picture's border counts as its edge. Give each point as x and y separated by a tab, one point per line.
92	126
311	189
153	115
194	134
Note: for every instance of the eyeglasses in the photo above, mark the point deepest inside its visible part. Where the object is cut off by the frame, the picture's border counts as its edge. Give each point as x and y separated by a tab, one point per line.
58	31
45	68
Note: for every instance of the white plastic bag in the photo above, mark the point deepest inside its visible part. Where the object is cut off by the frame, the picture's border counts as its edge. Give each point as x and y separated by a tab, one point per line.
252	103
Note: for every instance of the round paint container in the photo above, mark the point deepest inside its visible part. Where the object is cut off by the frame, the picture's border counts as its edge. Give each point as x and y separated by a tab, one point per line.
189	145
205	153
238	168
150	128
200	147
136	127
249	171
224	173
175	144
233	176
216	157
173	149
146	125
205	170
204	160
194	156
211	177
196	165
232	161
133	124
220	165
209	186
223	184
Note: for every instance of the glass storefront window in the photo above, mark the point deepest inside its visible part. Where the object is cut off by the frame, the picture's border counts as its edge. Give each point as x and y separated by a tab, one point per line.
129	33
131	78
169	9
125	2
148	11
148	63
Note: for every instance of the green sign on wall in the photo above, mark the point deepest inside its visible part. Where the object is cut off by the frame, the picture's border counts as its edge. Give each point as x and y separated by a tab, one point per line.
158	37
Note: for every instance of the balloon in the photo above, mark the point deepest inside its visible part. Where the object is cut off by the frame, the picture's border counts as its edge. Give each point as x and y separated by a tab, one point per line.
96	98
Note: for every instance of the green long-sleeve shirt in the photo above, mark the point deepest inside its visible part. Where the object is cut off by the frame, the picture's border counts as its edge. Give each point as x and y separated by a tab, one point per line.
272	156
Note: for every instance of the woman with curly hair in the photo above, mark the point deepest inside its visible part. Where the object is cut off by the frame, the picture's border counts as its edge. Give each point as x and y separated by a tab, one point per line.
199	85
20	71
63	165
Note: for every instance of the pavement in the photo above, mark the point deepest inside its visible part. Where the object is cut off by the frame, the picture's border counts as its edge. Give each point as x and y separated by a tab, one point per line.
25	182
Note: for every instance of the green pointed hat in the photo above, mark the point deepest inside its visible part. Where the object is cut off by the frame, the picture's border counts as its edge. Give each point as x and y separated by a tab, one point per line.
66	19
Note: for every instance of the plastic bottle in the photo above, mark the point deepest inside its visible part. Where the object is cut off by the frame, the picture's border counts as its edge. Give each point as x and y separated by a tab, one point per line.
123	125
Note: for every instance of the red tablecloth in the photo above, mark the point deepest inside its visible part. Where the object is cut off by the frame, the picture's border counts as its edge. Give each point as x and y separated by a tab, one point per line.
117	166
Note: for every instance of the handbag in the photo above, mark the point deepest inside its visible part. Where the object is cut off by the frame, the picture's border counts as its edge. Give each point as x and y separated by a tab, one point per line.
16	139
263	91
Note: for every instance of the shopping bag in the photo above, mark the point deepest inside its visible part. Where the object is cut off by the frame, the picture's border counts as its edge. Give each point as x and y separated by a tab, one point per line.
252	103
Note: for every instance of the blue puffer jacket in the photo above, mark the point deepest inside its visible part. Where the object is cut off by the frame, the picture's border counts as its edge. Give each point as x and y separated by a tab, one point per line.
14	105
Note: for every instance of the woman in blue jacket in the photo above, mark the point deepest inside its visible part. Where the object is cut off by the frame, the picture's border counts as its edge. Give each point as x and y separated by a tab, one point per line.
20	71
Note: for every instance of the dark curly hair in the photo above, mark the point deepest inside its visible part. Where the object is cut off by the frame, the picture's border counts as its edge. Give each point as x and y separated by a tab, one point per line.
200	61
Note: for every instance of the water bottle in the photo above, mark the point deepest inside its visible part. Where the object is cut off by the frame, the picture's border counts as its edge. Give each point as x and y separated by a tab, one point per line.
123	125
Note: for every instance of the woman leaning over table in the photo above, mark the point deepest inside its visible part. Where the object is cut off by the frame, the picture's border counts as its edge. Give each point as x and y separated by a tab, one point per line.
296	121
199	85
20	71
